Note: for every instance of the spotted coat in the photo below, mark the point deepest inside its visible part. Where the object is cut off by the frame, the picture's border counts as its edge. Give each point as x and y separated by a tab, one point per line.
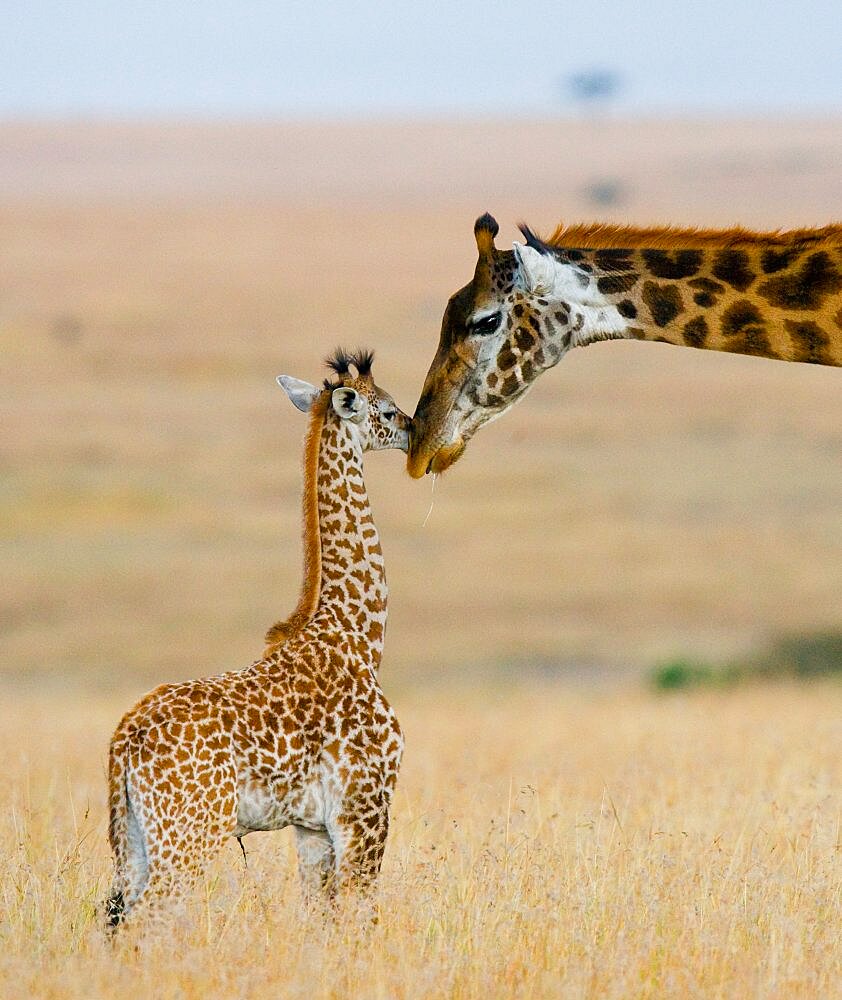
303	737
771	295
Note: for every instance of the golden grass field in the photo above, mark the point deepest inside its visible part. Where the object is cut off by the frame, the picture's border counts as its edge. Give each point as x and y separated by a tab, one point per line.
559	830
547	842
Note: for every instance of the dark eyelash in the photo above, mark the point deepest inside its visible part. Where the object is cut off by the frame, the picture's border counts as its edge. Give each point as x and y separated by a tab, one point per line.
486	325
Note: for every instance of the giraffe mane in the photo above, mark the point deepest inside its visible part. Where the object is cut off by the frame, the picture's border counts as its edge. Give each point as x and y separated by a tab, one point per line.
606	236
308	600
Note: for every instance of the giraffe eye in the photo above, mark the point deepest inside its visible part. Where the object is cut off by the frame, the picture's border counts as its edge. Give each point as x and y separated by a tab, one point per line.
486	325
390	414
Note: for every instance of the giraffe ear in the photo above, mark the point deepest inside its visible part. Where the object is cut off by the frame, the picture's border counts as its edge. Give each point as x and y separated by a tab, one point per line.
537	270
301	394
349	404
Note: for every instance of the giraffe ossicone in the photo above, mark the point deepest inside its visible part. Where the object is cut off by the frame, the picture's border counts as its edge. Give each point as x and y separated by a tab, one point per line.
303	737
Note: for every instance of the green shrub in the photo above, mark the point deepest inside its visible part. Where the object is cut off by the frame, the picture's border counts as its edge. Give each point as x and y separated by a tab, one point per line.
675	674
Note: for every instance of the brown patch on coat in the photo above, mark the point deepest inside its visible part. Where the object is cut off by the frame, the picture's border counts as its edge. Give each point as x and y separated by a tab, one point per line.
663	301
676	264
706	291
695	332
731	266
809	341
805	288
744	330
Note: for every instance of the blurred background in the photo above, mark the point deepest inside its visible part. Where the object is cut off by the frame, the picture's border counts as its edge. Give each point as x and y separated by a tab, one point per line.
194	198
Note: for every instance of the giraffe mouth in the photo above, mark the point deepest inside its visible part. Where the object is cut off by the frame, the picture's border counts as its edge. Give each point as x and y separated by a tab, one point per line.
445	457
436	463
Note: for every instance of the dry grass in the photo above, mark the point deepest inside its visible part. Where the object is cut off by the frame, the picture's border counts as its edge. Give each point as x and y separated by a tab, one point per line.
546	842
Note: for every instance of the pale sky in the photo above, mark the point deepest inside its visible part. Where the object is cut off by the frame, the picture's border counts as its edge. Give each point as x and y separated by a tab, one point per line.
299	58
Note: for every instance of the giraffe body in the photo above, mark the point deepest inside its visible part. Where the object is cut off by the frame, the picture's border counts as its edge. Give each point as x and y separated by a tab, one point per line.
304	737
772	295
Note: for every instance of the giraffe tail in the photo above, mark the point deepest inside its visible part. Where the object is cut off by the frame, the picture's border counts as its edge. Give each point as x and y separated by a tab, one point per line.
118	832
114	909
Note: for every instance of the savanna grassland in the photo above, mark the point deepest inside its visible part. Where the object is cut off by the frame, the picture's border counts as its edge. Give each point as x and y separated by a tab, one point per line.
559	830
546	842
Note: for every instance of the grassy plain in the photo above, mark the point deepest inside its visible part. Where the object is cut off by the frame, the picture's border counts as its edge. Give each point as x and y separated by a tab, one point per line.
558	831
547	842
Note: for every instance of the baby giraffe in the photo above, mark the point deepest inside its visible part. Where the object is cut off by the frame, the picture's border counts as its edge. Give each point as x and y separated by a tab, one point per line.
303	737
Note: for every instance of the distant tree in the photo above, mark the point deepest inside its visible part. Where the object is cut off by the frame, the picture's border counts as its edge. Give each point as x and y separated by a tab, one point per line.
592	88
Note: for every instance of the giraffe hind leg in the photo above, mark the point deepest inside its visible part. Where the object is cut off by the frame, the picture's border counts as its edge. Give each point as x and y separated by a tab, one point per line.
164	894
169	880
132	868
177	835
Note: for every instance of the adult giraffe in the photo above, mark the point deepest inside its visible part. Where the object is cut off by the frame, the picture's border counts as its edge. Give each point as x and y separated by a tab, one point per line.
773	295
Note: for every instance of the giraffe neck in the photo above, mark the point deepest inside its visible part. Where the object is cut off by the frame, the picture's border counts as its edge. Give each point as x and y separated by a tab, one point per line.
344	573
353	579
766	299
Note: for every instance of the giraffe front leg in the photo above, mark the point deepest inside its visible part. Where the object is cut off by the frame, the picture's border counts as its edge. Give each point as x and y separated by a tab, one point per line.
316	863
359	841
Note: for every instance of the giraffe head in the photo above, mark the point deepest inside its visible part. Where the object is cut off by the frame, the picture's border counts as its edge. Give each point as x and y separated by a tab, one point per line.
353	398
517	317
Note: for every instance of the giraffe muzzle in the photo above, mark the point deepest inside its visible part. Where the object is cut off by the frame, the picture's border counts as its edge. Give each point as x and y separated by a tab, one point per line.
423	462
